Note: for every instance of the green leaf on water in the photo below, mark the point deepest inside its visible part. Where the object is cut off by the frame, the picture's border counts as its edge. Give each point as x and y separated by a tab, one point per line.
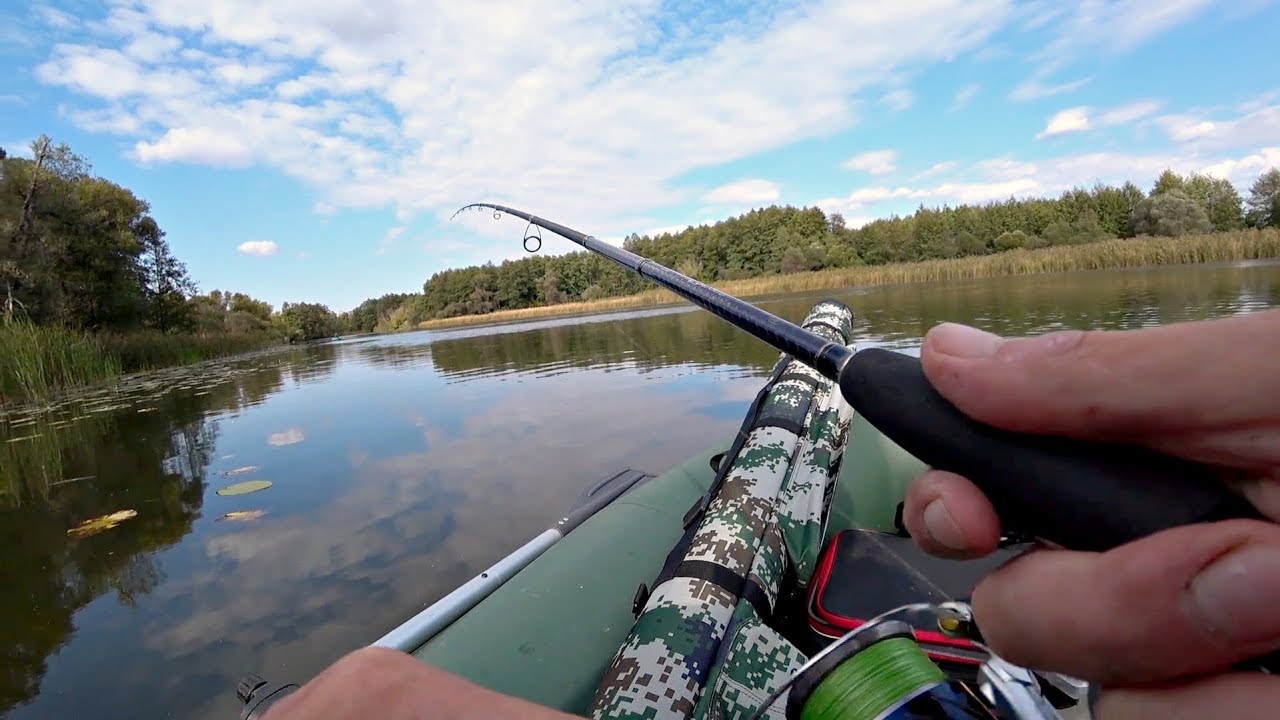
247	486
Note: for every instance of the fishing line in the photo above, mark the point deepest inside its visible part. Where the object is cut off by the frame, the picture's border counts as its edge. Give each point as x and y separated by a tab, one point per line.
873	681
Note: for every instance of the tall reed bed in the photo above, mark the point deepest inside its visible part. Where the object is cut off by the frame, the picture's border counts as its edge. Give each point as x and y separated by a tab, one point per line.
149	349
37	361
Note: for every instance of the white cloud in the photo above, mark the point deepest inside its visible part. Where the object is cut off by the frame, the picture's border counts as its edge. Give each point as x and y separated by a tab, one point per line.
151	46
1078	119
1128	113
936	169
1259	126
1035	89
1241	170
1000	178
199	145
292	436
900	99
964	96
666	230
389	240
744	192
260	248
876	162
55	17
422	107
239	73
1066	121
1095	28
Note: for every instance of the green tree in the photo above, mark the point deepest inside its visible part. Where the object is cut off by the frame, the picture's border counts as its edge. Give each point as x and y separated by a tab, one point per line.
1264	200
240	302
164	279
1170	213
1168	181
1010	240
1059	232
307	321
1220	200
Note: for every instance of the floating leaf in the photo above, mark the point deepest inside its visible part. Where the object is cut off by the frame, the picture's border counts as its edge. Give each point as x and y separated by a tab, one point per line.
147	409
240	471
247	486
98	524
243	515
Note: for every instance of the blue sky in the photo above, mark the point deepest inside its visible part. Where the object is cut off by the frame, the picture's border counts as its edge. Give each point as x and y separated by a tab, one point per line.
298	150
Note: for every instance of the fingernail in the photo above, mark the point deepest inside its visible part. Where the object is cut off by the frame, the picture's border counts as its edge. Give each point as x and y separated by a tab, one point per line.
942	527
963	341
1236	594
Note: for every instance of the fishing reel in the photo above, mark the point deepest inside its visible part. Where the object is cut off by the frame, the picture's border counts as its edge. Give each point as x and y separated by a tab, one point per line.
879	672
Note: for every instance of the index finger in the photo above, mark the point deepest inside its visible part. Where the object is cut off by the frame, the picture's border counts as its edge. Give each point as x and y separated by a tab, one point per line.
1176	383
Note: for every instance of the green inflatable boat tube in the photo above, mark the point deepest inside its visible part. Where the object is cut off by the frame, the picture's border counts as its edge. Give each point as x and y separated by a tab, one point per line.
548	632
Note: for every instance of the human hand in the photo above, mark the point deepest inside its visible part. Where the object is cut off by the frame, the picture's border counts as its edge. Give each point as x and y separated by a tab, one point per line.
1157	622
389	685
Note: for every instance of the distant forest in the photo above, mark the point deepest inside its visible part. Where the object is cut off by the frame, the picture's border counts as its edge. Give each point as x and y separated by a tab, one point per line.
778	240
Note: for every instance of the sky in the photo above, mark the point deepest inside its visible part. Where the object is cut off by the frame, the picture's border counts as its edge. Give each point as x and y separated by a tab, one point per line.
314	151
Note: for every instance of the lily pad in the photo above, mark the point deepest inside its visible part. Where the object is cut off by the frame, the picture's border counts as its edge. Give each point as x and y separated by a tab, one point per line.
242	488
243	515
240	471
98	524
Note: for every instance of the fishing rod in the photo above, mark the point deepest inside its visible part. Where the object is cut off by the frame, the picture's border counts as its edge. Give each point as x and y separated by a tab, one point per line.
1078	494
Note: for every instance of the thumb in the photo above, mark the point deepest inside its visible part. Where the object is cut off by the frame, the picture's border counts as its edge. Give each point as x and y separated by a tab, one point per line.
1207	388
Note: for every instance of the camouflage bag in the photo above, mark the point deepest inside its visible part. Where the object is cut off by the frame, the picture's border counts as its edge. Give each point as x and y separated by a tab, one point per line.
701	645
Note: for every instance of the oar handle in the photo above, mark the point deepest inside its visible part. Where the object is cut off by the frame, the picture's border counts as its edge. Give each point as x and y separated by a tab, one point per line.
1079	494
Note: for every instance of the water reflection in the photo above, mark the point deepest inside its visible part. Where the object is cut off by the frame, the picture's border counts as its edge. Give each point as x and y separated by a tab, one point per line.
399	466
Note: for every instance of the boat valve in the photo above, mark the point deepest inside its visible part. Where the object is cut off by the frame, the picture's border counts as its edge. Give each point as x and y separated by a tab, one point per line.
259	694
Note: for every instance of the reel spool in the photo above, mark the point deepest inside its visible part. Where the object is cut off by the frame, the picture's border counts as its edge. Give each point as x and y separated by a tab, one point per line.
880	672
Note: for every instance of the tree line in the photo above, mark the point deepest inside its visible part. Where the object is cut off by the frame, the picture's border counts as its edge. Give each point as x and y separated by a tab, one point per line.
80	251
784	239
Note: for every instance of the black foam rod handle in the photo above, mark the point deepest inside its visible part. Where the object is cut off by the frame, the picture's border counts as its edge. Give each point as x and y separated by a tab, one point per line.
1078	494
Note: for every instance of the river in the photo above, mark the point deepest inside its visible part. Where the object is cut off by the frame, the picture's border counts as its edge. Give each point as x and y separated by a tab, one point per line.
399	466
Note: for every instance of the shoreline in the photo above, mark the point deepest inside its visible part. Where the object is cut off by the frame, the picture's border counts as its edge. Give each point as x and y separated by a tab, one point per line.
1101	255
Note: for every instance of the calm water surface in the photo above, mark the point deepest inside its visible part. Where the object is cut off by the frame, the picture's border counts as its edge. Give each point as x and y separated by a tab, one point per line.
401	465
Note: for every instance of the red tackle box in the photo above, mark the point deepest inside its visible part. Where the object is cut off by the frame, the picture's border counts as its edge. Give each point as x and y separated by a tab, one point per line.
862	573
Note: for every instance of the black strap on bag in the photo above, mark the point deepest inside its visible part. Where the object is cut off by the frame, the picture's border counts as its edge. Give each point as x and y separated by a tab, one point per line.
675	565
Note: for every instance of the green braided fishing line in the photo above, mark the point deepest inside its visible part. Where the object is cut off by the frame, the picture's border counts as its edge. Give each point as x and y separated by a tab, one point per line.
872	681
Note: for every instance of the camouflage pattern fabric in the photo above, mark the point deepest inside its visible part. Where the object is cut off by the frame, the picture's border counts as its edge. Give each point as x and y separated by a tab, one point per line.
756	660
804	498
678	641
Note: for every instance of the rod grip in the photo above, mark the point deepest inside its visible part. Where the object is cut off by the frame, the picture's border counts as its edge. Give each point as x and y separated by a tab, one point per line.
1079	494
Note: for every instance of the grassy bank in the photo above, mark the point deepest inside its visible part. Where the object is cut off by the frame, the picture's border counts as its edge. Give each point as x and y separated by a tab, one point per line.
38	361
1107	254
148	350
